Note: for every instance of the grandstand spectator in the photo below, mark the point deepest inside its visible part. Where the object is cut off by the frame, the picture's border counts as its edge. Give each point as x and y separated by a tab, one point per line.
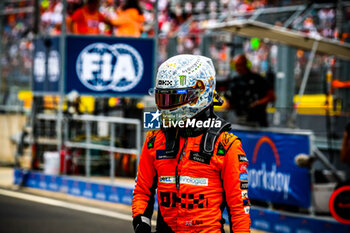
164	23
51	18
129	19
72	6
179	14
87	19
188	8
16	58
109	10
148	26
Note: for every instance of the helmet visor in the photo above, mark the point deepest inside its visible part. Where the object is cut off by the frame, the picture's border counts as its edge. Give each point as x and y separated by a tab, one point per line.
173	98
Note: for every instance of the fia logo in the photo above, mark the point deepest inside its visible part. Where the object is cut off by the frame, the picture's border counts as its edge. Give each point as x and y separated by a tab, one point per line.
102	67
151	120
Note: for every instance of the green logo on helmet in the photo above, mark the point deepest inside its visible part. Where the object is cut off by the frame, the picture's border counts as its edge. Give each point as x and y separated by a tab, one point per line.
182	80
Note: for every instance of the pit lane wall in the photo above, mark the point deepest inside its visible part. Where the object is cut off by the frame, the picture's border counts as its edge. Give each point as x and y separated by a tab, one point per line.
273	177
76	186
262	219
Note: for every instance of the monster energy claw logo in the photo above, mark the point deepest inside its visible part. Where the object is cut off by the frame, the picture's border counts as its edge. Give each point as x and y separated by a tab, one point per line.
182	80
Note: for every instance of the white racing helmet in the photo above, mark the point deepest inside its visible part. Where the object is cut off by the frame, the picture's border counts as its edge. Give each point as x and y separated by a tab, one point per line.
185	86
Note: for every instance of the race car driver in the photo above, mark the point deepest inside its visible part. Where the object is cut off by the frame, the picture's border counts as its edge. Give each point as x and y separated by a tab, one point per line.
196	165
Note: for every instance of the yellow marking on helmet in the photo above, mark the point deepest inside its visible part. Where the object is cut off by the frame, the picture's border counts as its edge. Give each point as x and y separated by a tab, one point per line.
171	65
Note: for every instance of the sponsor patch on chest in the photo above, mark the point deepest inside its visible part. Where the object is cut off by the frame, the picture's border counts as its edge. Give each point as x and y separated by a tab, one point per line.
160	154
184	180
198	157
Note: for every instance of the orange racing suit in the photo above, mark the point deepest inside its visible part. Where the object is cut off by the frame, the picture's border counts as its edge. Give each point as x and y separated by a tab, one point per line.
205	186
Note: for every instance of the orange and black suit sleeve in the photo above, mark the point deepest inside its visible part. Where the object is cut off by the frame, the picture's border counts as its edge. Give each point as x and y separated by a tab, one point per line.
235	183
146	183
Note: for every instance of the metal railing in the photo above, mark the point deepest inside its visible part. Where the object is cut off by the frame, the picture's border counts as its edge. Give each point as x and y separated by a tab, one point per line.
88	144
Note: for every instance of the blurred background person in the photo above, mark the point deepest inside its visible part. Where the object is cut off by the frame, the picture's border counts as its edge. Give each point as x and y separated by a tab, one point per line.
129	19
249	93
51	18
109	10
87	19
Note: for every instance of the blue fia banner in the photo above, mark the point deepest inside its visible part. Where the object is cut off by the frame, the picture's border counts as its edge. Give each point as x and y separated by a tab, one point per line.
268	220
109	66
274	221
74	186
46	65
272	173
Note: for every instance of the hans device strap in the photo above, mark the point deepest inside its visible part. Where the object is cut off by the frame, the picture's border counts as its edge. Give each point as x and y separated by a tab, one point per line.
172	143
208	141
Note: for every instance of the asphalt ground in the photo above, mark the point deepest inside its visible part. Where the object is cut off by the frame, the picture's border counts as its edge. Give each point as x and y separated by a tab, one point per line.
30	210
17	216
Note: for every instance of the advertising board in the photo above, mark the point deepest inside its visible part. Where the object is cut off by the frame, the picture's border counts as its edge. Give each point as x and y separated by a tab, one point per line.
272	172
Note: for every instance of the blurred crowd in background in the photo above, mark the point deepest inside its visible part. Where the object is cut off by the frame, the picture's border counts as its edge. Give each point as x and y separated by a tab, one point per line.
182	21
172	14
180	30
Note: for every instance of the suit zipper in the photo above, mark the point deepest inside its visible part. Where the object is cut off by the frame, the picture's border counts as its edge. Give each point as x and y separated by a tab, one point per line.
177	176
